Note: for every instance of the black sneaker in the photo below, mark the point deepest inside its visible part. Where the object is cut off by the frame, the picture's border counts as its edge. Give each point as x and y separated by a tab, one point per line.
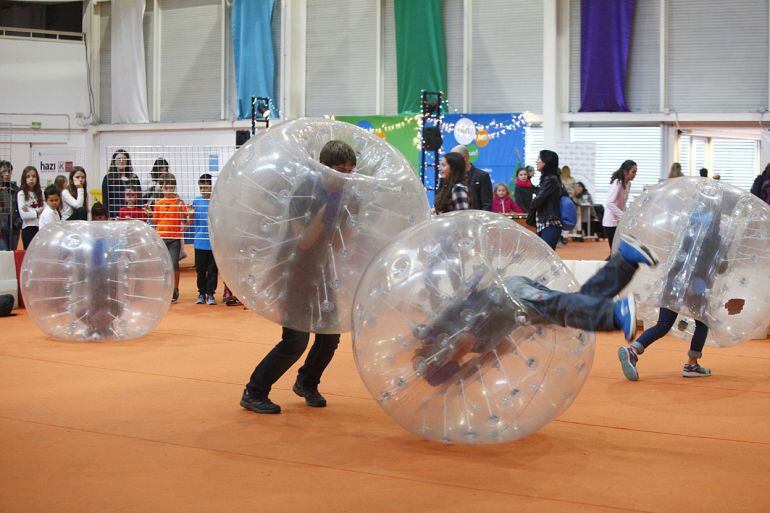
312	397
175	297
258	404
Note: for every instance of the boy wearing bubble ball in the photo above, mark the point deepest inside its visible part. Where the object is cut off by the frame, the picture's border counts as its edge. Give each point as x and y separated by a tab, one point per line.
481	320
314	212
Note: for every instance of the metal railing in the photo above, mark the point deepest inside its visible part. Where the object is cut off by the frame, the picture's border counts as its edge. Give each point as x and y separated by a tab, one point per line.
49	35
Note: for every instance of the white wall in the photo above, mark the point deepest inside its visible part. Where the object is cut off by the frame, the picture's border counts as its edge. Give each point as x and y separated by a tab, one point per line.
43	77
43	81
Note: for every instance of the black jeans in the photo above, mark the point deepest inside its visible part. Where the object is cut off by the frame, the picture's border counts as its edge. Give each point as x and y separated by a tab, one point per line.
293	343
207	271
609	232
590	309
79	214
666	320
27	234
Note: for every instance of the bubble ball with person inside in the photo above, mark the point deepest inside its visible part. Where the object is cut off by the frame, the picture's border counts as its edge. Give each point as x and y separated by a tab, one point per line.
292	236
97	280
712	240
444	340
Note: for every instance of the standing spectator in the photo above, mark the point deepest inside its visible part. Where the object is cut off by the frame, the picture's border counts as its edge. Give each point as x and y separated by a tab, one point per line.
453	194
10	220
502	202
159	168
60	182
170	215
51	213
675	171
132	210
524	189
205	266
75	197
545	209
765	195
617	197
30	201
479	182
119	175
759	181
568	181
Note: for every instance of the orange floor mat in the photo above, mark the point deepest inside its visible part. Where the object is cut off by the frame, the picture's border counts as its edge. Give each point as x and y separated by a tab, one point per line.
154	425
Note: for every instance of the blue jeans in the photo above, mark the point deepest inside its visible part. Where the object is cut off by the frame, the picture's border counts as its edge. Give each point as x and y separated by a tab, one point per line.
666	320
551	235
590	309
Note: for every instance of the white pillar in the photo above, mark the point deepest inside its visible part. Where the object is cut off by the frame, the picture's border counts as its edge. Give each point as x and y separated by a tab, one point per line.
293	35
555	52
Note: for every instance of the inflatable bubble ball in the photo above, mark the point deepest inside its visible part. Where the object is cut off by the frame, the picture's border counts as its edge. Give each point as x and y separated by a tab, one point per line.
444	342
291	236
712	239
97	280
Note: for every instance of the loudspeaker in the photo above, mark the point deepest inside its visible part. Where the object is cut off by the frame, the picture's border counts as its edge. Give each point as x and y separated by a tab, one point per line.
432	137
241	136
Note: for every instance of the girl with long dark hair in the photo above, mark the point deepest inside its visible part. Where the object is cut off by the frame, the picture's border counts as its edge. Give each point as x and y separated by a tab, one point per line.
119	175
453	194
617	197
30	201
545	209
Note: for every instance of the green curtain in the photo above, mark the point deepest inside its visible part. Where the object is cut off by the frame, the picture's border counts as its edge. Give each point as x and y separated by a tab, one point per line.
420	51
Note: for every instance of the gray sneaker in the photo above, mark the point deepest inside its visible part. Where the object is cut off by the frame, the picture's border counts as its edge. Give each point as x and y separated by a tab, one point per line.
210	300
695	371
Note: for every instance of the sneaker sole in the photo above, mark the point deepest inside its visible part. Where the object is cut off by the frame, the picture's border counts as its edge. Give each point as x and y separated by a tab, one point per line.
695	375
629	371
247	406
648	251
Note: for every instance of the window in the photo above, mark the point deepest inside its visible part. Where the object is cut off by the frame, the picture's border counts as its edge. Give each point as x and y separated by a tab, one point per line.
616	144
736	161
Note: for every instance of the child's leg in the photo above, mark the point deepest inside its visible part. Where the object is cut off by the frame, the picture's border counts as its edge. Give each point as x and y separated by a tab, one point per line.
620	269
698	341
610	279
692	369
201	268
293	343
666	320
575	310
212	275
319	357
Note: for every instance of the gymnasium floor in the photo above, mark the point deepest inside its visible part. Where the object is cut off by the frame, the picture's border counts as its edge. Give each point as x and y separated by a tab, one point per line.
153	425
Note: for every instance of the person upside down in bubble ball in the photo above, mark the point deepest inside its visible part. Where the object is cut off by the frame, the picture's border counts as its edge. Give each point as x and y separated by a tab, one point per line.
316	220
482	318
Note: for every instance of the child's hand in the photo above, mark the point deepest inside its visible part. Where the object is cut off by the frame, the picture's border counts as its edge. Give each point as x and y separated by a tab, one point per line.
25	208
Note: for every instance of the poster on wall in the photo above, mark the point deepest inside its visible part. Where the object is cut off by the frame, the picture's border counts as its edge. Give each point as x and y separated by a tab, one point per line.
581	159
54	161
400	131
495	142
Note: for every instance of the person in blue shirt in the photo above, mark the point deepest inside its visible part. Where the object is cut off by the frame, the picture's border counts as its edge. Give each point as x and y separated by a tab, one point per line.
205	266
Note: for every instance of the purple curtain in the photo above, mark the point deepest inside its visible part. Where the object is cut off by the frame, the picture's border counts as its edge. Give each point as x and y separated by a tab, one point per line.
605	35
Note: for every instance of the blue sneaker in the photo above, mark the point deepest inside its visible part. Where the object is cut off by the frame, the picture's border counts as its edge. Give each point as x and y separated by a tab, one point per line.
634	252
625	316
628	358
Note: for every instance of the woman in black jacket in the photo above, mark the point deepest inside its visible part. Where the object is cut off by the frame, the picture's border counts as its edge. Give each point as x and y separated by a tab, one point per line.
119	176
545	209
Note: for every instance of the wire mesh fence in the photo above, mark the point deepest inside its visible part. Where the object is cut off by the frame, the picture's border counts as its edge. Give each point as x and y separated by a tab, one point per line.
166	186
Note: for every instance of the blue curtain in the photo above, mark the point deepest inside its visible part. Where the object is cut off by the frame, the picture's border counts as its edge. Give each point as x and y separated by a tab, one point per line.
253	52
605	36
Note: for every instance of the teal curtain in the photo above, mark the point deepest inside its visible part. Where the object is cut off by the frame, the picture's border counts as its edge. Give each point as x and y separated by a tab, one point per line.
420	51
253	52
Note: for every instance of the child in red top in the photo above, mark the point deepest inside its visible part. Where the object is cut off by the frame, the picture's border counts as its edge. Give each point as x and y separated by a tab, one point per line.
132	210
502	202
170	216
